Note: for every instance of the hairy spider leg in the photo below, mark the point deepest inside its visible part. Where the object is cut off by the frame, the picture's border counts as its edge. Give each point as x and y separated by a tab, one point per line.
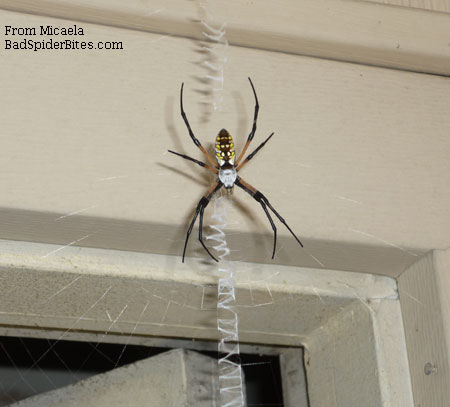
194	139
259	197
252	133
203	203
202	164
251	155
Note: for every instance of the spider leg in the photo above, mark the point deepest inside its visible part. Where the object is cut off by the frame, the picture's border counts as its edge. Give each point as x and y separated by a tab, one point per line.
200	233
203	203
280	218
202	164
252	133
191	133
258	196
263	205
251	155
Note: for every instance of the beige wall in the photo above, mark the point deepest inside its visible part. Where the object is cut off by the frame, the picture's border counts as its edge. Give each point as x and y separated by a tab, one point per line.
358	165
432	5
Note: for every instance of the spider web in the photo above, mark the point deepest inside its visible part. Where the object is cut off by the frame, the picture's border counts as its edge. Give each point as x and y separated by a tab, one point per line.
31	365
124	308
114	311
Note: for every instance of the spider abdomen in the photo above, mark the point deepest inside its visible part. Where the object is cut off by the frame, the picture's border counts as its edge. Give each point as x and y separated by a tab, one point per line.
224	148
228	176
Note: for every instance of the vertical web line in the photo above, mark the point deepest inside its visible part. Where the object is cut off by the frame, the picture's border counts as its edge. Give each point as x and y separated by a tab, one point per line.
216	56
230	371
231	393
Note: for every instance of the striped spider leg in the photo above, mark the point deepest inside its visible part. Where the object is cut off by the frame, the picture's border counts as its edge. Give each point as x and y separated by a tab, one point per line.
226	168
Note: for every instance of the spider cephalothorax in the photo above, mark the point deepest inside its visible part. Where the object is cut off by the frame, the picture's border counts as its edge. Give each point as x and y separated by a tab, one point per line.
226	169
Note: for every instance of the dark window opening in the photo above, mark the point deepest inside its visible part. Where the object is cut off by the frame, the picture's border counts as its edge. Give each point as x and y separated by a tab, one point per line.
32	366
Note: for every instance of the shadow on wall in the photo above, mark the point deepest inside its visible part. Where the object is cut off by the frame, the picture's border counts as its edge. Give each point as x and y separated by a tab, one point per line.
168	239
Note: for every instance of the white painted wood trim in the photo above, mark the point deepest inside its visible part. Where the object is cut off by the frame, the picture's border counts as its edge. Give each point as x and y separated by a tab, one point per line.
424	295
431	5
75	287
352	31
337	355
349	322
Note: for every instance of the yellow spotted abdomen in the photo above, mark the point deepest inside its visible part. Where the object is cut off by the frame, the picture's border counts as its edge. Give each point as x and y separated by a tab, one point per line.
224	147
